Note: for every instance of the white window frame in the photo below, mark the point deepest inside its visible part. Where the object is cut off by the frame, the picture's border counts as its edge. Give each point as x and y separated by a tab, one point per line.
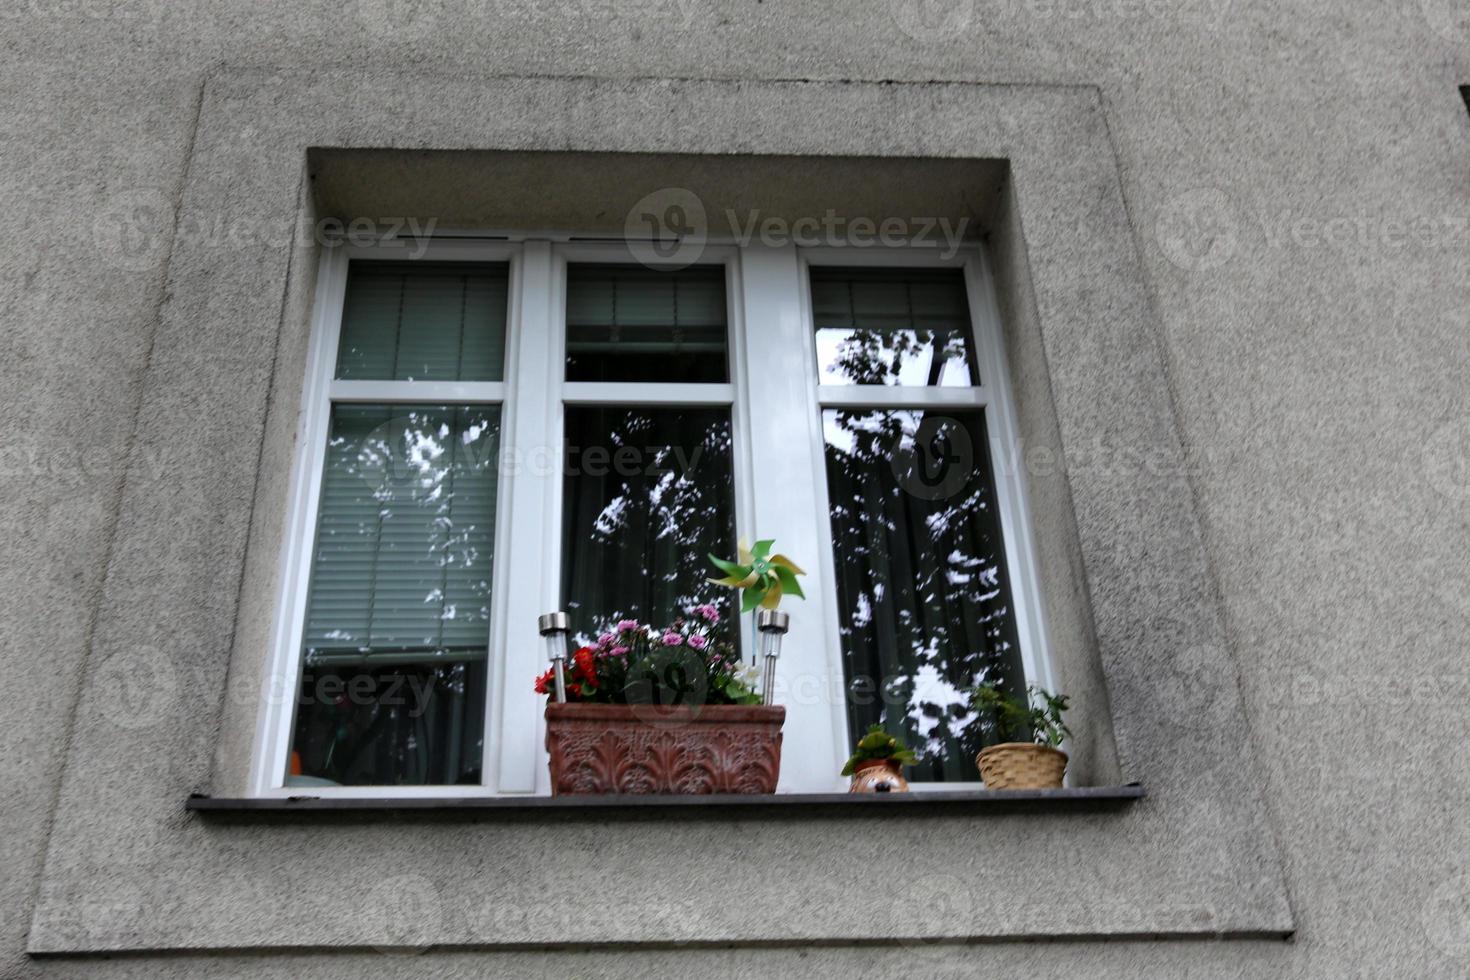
775	405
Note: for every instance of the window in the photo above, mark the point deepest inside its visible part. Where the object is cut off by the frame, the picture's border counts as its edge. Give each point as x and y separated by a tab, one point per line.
495	430
922	589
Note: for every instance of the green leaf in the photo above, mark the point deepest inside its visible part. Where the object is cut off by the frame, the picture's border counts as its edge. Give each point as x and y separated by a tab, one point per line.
788	581
729	567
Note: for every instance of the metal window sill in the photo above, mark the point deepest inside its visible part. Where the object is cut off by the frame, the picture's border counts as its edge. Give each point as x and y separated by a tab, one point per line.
1088	798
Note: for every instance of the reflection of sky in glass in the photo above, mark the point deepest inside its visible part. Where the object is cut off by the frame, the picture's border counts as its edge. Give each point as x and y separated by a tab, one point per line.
906	327
897	357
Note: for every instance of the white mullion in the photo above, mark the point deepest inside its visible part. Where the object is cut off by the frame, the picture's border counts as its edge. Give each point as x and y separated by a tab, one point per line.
526	562
885	396
278	696
741	424
422	392
788	467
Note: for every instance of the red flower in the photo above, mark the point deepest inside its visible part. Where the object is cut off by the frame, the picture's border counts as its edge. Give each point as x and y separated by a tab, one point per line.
583	672
584	668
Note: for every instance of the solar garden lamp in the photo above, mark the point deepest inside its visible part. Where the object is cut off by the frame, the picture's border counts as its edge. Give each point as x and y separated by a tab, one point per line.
554	627
772	625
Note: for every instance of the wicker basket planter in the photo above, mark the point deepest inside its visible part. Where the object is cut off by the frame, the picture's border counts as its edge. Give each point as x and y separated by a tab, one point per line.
623	748
1022	765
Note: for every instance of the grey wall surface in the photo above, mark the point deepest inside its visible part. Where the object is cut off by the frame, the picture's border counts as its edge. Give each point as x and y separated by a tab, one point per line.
1294	179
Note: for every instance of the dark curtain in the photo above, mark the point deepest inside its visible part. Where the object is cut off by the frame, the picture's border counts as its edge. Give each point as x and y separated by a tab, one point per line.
392	726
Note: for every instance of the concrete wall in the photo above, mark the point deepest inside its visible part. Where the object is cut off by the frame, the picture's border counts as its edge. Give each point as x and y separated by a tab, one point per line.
1294	182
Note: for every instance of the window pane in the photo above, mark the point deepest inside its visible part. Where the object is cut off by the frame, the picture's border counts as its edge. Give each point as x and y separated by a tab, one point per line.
630	323
397	620
420	321
893	327
648	494
922	586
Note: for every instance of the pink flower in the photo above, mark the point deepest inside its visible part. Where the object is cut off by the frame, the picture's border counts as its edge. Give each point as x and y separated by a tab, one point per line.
672	639
709	612
619	651
627	624
605	639
698	642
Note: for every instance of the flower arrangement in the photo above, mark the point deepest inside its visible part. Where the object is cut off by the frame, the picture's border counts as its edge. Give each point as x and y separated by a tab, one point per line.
685	663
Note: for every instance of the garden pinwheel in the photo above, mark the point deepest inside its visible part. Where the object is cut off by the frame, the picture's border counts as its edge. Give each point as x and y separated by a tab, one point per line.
761	576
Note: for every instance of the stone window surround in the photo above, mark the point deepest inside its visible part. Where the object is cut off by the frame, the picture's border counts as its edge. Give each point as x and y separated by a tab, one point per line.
198	538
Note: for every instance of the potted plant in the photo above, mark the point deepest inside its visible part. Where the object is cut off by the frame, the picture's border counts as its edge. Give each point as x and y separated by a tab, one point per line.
876	763
1027	732
661	710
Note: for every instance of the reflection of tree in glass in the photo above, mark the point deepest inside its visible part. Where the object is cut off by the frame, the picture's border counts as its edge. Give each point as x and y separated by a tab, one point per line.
893	326
648	494
910	357
925	599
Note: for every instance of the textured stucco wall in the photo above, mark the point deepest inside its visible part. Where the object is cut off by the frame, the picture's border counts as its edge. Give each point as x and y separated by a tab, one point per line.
1296	176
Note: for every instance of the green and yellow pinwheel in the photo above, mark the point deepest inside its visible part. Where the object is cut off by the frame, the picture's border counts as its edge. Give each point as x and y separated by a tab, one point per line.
762	577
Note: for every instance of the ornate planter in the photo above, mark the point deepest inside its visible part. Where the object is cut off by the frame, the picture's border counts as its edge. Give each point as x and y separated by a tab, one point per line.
624	748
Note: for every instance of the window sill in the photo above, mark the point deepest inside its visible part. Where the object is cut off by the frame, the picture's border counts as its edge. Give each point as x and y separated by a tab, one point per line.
1088	798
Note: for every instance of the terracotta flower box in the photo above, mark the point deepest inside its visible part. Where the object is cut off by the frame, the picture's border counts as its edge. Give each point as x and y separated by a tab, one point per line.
625	748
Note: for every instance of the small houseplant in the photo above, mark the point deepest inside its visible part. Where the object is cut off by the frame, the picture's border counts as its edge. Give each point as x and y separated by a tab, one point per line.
1023	736
661	710
876	763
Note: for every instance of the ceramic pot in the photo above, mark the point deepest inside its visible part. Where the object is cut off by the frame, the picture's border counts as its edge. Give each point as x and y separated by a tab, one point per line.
878	776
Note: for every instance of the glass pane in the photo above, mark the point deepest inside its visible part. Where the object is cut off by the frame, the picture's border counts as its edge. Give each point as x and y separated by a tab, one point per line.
397	620
421	321
893	327
648	494
922	586
630	323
